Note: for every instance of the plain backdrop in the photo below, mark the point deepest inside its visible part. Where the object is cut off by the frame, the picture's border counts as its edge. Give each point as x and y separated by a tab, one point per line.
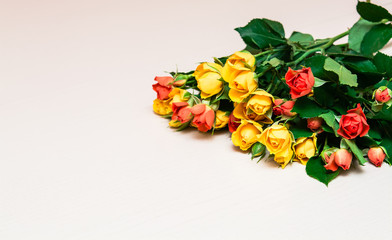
83	156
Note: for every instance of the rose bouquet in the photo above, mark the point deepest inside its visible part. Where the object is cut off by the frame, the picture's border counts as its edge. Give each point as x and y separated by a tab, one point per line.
306	100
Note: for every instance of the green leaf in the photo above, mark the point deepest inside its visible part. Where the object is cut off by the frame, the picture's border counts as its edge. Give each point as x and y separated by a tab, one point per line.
372	12
366	71
383	63
274	62
345	76
326	94
366	142
277	27
342	51
361	65
262	33
183	126
224	94
316	63
387	144
307	108
301	38
381	83
318	82
374	131
384	114
376	39
357	152
300	130
330	120
315	169
357	33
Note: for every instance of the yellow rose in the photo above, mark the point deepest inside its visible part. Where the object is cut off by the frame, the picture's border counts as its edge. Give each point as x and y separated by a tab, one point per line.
305	148
261	102
258	108
221	120
239	61
247	133
242	85
241	112
162	107
179	95
175	124
208	79
278	140
238	72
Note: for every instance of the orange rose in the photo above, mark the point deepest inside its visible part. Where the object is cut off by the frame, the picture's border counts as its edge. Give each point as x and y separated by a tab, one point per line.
341	158
203	118
376	156
181	112
163	87
283	108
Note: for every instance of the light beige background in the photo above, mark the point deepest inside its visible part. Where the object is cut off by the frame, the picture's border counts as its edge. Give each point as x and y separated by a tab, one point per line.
82	156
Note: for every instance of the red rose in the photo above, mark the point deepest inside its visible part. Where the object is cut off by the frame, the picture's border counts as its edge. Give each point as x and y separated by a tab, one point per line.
204	117
163	87
300	82
353	124
181	112
283	108
233	123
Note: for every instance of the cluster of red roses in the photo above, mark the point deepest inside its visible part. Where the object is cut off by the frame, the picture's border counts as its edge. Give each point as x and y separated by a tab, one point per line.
351	125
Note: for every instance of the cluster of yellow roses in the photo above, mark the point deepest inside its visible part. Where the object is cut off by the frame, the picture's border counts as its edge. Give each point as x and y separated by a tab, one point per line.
253	109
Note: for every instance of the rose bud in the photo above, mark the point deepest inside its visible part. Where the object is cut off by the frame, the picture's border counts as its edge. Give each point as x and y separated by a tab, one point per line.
376	156
315	123
181	114
300	82
181	79
331	164
343	158
162	107
277	110
203	118
283	109
221	119
233	123
353	124
305	148
163	87
383	94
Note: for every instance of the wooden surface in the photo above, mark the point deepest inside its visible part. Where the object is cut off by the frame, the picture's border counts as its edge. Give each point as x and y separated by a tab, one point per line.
82	156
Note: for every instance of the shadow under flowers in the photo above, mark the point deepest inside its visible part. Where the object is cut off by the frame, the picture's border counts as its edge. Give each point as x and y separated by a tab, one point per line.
195	134
355	168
